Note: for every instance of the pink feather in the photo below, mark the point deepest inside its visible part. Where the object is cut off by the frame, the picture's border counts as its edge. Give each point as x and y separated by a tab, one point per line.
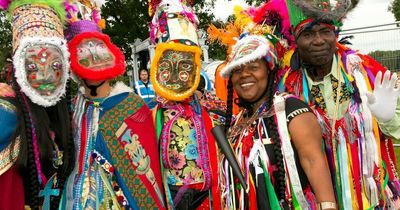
95	16
271	13
4	4
192	17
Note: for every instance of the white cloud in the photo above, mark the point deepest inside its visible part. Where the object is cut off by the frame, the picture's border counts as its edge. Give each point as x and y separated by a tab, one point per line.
223	8
373	13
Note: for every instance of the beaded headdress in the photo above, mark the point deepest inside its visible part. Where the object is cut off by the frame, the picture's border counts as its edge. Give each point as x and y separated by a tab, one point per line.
41	58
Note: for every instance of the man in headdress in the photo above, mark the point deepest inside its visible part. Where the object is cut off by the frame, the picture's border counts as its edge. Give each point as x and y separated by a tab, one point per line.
354	105
117	161
188	149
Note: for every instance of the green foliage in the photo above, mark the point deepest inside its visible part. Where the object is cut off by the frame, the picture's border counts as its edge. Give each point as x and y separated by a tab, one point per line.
389	59
127	20
395	9
5	38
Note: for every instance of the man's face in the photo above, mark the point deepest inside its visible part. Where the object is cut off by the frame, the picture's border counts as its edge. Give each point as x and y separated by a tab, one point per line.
94	54
44	68
176	71
317	45
144	76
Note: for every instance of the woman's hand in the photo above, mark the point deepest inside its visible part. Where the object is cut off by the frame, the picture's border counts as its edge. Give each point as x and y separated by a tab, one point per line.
6	90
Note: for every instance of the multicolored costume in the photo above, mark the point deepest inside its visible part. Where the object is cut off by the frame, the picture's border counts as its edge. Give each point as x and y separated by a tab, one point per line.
36	146
360	156
261	139
188	149
117	160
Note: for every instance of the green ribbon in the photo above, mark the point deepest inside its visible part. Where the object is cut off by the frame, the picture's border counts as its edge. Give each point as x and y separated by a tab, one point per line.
273	199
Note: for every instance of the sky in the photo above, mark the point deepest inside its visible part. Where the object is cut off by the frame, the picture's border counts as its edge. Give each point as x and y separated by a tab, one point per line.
367	13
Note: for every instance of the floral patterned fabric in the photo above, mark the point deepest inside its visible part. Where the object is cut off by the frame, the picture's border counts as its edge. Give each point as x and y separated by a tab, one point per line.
319	100
183	149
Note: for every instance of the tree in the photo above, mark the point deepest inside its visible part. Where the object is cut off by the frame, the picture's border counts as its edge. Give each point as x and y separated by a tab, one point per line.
5	38
395	9
126	20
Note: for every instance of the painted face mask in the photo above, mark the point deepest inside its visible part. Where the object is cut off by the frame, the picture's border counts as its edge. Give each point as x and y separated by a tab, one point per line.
175	71
94	54
44	68
94	57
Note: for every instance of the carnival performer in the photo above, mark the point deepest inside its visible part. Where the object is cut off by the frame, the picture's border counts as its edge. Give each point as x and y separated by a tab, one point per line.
36	144
358	111
276	137
117	160
188	150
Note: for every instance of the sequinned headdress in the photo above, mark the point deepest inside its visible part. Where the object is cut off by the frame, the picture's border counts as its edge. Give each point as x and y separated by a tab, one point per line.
41	58
251	38
93	55
305	13
175	68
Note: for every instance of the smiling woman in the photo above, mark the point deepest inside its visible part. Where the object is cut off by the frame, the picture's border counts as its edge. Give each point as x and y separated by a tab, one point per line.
260	136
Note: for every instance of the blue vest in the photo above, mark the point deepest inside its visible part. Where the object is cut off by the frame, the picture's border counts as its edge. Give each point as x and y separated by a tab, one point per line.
146	92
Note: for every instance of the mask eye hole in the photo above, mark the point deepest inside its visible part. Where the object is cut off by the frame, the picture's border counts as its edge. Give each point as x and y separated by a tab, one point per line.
56	65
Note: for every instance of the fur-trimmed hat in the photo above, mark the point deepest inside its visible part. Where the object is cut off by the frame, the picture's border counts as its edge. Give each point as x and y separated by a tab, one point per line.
253	40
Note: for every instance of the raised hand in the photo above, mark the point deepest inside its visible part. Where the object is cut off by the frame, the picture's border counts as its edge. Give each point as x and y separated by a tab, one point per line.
383	100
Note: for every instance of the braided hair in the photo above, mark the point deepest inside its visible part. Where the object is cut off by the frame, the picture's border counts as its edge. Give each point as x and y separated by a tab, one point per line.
55	118
280	185
229	105
274	135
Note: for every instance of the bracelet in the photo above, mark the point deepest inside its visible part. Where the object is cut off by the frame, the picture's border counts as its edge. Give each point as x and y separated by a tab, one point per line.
326	205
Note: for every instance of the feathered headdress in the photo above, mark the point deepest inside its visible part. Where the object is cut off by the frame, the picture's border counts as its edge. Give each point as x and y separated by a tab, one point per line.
304	12
249	38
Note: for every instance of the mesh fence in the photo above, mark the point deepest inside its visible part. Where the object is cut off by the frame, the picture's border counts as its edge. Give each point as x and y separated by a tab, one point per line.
382	42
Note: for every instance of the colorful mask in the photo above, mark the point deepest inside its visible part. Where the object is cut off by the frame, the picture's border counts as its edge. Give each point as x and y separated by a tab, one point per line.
41	57
94	57
175	70
94	54
43	66
42	69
